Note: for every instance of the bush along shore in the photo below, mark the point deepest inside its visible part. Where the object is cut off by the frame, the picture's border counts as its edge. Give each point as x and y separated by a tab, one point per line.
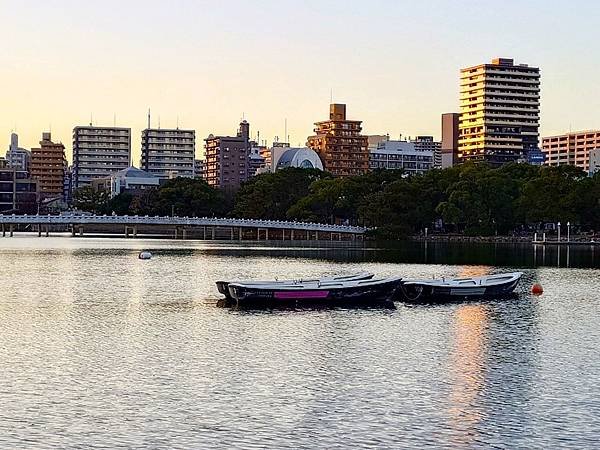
471	200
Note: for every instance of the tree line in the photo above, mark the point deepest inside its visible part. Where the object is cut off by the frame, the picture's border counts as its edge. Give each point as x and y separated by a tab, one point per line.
473	199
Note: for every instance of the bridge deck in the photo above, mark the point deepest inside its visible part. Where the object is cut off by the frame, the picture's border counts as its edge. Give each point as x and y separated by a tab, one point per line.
74	220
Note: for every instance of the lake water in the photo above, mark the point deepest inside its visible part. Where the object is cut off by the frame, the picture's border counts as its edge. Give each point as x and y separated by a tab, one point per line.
100	349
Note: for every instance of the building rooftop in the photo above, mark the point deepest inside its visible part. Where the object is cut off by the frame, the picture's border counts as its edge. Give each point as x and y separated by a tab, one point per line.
134	172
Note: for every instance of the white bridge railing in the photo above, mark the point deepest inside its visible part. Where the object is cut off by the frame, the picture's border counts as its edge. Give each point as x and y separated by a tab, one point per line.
81	219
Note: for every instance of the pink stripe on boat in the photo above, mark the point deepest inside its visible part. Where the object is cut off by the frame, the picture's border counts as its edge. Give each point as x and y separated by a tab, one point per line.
301	294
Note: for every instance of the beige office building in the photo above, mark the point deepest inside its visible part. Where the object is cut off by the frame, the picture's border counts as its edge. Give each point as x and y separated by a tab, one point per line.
571	148
499	111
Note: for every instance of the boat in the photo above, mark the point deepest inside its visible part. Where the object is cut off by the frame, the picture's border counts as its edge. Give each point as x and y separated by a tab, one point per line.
417	291
145	255
223	286
366	293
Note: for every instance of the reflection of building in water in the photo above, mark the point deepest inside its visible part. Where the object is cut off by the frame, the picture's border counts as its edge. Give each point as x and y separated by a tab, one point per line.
467	370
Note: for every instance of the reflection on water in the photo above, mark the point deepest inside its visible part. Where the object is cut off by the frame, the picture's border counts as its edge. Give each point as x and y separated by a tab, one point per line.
467	367
101	349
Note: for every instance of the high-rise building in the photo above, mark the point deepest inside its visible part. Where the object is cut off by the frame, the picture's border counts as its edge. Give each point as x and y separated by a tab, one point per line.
199	168
404	155
450	134
499	111
48	165
227	158
427	144
168	153
339	144
17	157
571	148
99	152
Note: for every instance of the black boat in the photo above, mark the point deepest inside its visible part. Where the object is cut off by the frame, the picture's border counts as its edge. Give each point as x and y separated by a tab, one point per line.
371	293
427	291
223	286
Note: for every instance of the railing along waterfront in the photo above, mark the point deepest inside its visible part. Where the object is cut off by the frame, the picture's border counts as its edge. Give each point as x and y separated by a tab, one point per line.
76	222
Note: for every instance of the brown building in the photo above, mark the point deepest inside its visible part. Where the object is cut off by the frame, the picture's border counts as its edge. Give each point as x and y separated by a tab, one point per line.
450	133
571	148
339	144
18	192
48	164
227	164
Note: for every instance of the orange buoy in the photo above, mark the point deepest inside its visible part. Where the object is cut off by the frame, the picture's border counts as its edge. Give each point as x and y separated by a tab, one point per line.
537	289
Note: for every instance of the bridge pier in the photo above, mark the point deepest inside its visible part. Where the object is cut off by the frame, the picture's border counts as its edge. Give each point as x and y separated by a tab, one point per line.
39	230
241	234
11	230
3	231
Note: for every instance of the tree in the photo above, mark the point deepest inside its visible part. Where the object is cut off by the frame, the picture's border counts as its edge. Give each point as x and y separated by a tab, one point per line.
88	199
191	197
270	195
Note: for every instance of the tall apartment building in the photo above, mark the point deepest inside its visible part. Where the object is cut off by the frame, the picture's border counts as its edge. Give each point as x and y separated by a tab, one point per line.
99	152
199	168
227	158
17	157
450	132
48	164
571	148
426	143
168	153
339	144
499	111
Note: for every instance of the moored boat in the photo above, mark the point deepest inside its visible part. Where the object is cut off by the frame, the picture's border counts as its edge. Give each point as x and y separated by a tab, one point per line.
489	286
374	293
223	286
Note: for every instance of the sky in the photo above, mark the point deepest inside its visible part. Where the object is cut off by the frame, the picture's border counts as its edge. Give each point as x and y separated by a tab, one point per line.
207	64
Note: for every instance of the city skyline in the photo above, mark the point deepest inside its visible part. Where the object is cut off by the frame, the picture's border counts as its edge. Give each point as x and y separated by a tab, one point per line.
398	69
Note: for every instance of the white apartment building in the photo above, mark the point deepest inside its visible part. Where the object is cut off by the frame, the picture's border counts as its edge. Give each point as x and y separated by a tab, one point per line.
168	153
99	152
401	155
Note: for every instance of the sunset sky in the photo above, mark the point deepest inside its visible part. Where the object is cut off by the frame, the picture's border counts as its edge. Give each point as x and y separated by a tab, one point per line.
395	63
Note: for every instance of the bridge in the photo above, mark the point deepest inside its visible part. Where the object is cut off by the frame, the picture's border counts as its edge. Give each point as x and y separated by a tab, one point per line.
178	227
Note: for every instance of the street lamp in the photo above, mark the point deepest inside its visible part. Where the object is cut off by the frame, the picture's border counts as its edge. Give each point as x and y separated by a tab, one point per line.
568	232
558	231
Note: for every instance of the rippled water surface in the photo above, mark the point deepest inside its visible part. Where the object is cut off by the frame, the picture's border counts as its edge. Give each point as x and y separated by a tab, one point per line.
100	349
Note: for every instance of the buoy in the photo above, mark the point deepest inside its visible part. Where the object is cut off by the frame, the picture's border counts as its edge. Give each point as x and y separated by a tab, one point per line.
537	289
145	255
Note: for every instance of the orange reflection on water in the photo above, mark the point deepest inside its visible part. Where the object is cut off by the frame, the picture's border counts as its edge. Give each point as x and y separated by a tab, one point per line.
474	271
467	370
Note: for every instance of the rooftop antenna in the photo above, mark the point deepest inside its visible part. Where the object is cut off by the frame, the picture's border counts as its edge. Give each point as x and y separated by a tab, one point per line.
148	117
91	119
178	122
159	122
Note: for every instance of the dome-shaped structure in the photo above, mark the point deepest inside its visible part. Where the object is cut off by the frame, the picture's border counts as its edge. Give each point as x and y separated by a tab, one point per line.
302	157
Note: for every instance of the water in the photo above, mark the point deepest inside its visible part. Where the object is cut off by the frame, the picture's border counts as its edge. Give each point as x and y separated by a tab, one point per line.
100	349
